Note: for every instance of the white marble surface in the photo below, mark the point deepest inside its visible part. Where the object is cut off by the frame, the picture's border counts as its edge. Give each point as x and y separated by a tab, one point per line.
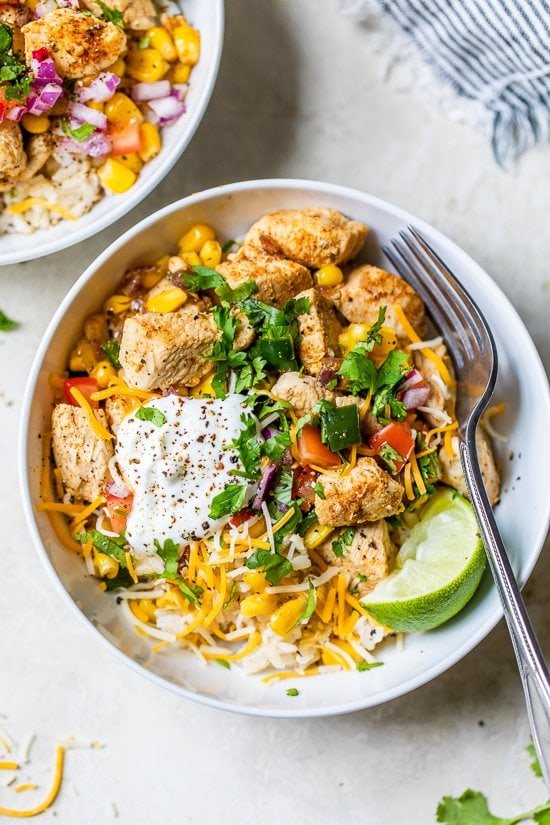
299	94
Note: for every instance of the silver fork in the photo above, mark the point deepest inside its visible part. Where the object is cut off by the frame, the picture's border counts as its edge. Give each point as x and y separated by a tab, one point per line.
474	355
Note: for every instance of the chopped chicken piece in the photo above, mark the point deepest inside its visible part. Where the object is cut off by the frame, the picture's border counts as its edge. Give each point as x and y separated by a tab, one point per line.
366	494
13	159
319	329
277	279
370	554
138	15
301	391
117	408
80	45
39	149
15	17
313	237
79	453
367	288
453	475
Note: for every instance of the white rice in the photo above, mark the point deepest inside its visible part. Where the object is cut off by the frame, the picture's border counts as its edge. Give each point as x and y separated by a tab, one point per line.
70	182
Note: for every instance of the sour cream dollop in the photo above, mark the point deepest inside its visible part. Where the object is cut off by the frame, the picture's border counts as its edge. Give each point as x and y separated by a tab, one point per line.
174	470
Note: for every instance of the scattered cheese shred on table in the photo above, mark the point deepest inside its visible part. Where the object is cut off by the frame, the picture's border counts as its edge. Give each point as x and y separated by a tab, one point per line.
51	796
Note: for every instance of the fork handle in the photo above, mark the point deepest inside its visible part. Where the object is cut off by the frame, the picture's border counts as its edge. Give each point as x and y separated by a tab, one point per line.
532	667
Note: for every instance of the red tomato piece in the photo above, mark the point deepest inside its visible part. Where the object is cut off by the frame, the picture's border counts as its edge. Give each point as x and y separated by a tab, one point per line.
242	516
311	449
118	510
302	486
86	386
399	436
127	141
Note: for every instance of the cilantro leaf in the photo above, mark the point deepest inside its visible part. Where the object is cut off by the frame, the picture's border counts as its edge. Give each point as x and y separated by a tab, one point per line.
6	37
6	323
282	491
319	490
472	809
391	457
274	447
111	15
343	542
535	764
309	608
223	663
205	278
80	133
122	579
293	692
192	592
229	501
111	546
385	406
169	553
151	414
358	370
228	246
248	447
275	566
362	666
393	370
111	348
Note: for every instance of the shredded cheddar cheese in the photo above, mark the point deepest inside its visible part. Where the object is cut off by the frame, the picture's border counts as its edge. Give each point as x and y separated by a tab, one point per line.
51	796
407	481
29	203
96	425
291	674
60	507
448	442
86	513
8	766
429	353
25	786
417	475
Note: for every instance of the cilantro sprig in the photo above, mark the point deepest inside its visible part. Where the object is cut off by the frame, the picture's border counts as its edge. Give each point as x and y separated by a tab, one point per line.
13	71
151	414
111	15
6	324
275	566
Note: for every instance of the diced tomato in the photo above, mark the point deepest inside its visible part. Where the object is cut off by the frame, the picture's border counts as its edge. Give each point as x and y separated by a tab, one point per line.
41	54
242	516
126	141
302	486
399	436
86	386
311	449
118	510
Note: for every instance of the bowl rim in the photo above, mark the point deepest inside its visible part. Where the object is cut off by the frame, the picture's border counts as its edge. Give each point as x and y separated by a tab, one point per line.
537	372
140	193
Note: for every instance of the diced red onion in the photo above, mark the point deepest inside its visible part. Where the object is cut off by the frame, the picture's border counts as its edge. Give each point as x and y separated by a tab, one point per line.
44	7
102	88
415	397
16	113
180	90
411	379
143	92
326	376
85	114
44	98
166	110
270	432
266	482
96	146
44	71
117	488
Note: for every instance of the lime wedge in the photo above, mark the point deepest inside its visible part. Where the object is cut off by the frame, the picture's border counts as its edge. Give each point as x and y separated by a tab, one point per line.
438	568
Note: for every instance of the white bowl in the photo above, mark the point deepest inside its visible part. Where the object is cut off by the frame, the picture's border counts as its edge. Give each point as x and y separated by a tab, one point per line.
522	513
208	17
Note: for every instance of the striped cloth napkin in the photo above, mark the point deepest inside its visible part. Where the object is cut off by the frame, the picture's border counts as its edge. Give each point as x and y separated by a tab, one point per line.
495	53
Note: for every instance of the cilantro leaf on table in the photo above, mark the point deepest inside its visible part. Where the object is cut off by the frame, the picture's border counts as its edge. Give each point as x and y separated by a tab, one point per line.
293	692
169	553
111	15
229	501
151	414
275	566
111	546
472	808
6	324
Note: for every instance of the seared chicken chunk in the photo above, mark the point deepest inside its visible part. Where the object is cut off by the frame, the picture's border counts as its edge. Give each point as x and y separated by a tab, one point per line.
313	237
452	474
303	392
370	554
442	396
15	17
39	149
136	14
13	159
367	288
79	453
366	494
277	279
319	329
117	408
159	351
80	45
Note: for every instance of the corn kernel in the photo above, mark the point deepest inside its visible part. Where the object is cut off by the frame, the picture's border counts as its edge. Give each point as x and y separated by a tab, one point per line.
389	341
95	329
191	258
105	565
162	264
36	124
120	110
162	42
187	41
103	372
195	238
260	604
204	388
150	141
287	616
316	535
132	161
117	304
116	176
83	357
118	67
167	301
352	335
329	275
211	254
179	73
152	276
256	581
94	104
146	65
